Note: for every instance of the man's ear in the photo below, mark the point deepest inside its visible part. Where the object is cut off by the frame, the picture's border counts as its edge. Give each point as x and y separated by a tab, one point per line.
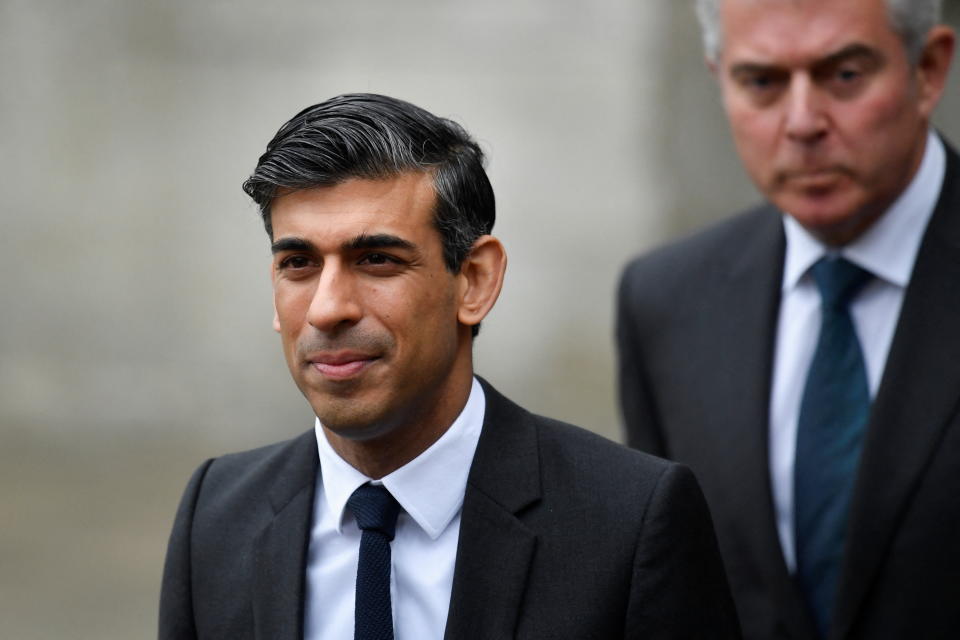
933	66
481	278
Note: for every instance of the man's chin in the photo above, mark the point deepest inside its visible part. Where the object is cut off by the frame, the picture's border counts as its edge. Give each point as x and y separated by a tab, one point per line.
832	217
347	417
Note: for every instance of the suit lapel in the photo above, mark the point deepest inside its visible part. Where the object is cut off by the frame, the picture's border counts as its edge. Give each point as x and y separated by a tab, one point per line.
281	549
741	389
908	418
495	548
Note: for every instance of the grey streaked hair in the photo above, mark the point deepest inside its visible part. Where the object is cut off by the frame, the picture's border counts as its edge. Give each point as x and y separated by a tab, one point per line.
912	19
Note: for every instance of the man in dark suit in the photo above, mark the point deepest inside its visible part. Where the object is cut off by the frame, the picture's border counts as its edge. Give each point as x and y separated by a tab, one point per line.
804	357
424	504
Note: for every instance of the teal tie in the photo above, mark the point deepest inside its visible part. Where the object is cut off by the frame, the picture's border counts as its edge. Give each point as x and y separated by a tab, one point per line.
833	414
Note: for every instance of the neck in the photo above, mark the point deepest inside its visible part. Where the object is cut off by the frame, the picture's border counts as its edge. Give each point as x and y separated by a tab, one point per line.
408	435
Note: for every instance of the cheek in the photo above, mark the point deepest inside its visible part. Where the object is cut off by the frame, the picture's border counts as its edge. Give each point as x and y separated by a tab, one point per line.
285	311
888	110
428	319
750	125
415	311
877	134
755	135
871	122
290	308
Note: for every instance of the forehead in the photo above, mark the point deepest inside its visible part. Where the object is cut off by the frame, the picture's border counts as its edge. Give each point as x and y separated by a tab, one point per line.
798	32
399	203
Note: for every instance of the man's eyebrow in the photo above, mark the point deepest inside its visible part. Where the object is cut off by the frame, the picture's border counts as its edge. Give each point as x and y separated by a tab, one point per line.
752	68
363	241
291	244
378	241
855	50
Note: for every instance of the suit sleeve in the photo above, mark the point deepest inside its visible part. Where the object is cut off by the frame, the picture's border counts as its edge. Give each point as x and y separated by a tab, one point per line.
636	405
176	593
679	587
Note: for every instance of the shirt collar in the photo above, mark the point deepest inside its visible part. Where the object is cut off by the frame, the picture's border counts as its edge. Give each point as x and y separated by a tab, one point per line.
889	247
430	487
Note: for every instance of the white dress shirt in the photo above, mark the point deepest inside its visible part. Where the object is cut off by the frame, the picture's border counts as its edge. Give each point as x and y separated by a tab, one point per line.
888	250
430	490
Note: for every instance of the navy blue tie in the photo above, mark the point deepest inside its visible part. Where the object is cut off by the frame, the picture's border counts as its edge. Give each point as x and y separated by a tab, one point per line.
376	512
833	414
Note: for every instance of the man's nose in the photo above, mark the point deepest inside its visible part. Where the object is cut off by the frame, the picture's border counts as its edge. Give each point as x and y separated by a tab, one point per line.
336	300
807	118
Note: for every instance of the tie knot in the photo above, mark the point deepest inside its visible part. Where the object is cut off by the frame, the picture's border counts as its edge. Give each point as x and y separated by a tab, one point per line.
838	280
375	509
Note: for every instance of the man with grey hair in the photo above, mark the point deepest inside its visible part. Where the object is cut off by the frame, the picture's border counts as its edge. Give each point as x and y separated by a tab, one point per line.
803	357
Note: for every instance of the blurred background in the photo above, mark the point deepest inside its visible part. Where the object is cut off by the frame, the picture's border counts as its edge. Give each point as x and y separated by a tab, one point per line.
135	303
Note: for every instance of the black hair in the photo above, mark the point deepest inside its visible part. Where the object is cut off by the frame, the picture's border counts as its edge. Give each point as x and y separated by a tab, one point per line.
370	136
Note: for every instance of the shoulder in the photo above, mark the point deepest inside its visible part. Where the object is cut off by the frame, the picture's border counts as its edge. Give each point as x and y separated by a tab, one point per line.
709	249
950	191
515	442
244	481
586	453
600	468
625	493
244	467
681	281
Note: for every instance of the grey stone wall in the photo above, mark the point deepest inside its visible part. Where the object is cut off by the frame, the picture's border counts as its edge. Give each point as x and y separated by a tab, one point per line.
135	332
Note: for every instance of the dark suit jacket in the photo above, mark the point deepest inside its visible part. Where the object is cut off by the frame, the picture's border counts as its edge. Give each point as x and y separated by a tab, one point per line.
563	535
696	328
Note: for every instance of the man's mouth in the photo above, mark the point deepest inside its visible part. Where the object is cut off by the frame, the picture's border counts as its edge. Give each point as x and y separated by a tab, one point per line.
340	365
814	179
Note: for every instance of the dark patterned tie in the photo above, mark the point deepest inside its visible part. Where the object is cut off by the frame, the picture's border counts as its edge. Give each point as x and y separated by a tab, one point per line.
833	414
376	513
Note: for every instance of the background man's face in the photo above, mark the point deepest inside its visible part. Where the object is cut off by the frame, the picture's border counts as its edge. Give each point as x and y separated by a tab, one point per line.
366	309
825	108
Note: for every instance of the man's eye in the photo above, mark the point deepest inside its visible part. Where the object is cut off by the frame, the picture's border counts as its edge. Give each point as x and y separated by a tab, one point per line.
846	81
760	82
762	86
848	74
377	258
295	262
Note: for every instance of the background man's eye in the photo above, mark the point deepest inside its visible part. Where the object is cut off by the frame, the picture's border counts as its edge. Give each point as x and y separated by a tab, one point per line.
848	74
761	82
